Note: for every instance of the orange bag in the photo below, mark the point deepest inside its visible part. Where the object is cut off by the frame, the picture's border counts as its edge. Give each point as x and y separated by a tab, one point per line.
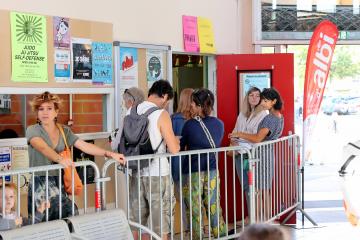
78	186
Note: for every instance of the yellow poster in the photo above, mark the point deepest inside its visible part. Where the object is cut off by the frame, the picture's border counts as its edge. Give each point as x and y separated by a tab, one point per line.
206	35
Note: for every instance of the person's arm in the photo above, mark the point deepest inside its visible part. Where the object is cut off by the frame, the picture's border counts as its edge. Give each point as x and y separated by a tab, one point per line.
92	149
172	142
254	138
41	146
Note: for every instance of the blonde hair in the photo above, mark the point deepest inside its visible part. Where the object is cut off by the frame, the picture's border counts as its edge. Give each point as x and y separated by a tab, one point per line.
36	102
246	108
11	186
185	100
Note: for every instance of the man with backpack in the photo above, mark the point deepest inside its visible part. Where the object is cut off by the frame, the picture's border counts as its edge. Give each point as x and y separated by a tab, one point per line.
155	139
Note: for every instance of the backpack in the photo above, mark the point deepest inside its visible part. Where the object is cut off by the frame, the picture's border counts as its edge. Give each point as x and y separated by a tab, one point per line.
135	139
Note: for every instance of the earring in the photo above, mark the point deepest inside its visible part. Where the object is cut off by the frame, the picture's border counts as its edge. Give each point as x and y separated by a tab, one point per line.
38	121
55	119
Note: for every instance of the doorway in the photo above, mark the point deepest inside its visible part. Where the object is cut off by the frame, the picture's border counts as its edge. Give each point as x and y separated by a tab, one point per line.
189	71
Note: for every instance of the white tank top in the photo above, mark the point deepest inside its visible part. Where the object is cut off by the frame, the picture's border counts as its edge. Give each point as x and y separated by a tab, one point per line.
155	139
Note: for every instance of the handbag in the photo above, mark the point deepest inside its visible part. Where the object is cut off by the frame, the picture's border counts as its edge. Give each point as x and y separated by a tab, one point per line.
67	178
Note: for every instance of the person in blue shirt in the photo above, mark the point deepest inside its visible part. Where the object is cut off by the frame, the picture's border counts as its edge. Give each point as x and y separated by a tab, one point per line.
178	119
200	176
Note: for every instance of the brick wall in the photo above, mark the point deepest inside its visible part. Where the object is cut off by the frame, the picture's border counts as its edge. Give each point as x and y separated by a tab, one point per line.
87	113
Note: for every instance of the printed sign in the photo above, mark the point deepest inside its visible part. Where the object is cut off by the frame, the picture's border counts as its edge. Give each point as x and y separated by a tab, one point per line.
29	48
206	35
102	63
128	67
62	65
82	60
190	34
154	66
61	32
5	160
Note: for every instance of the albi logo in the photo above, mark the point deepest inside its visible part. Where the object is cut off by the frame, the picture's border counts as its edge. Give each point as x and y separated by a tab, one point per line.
323	58
320	53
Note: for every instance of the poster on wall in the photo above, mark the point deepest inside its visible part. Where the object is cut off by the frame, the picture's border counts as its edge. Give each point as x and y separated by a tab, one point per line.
206	35
62	65
61	32
190	34
28	48
154	66
128	67
102	70
81	59
20	160
5	103
5	160
247	80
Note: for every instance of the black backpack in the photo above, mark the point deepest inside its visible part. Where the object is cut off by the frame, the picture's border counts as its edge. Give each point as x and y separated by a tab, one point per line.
135	139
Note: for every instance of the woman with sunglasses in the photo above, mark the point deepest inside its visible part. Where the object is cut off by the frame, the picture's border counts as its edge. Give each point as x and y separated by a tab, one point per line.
45	146
202	132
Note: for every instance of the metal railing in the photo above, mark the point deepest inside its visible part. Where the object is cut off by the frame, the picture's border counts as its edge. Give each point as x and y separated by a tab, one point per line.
271	178
46	172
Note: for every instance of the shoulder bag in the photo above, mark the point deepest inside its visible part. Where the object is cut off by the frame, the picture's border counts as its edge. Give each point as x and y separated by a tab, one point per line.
67	178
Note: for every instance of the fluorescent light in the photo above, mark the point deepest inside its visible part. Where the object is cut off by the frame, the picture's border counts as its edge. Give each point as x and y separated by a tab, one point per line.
328	6
274	4
356	7
304	5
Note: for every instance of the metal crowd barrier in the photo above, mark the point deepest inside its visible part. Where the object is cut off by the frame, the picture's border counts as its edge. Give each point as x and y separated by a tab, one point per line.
276	178
272	179
16	176
220	156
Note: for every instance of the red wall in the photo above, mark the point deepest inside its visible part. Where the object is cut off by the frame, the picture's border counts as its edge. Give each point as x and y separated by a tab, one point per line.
282	72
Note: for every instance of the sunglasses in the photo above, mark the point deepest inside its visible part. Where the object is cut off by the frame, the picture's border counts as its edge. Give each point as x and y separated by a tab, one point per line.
127	91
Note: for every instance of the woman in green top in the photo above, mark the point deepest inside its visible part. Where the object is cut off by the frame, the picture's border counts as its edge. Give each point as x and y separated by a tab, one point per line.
45	145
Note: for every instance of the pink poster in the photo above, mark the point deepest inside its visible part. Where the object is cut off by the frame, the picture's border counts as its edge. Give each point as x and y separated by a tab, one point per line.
61	32
190	33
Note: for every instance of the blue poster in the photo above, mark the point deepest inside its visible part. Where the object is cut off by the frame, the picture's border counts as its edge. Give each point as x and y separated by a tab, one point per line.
102	71
5	160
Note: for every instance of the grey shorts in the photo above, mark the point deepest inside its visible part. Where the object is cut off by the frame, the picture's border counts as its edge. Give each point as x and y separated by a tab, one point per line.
156	209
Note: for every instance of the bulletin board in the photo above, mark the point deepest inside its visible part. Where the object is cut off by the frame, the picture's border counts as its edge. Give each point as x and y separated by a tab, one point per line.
140	79
95	31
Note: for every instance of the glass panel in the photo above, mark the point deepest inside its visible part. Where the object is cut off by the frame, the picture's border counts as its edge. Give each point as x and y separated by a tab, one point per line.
88	113
267	49
287	22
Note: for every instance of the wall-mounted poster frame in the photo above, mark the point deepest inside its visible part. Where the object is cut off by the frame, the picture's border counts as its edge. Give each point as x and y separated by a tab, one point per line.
247	79
141	80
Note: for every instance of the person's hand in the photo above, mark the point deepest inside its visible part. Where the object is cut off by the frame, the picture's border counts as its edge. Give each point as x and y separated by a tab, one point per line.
233	135
66	161
117	156
44	205
18	221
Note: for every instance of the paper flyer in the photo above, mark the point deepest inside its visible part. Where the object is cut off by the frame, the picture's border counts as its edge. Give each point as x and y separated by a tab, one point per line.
5	160
29	48
190	34
62	65
102	70
81	59
154	66
128	68
20	160
61	32
206	35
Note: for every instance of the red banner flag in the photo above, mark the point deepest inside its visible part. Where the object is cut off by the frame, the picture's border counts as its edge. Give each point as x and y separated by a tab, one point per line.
320	53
